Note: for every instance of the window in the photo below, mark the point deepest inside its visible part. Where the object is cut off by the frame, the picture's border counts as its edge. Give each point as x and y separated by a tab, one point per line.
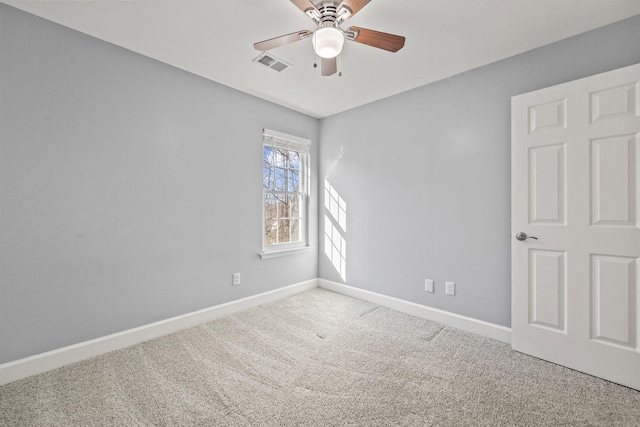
285	180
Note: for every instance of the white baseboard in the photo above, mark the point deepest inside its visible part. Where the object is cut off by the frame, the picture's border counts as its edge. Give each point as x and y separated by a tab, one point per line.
22	368
468	324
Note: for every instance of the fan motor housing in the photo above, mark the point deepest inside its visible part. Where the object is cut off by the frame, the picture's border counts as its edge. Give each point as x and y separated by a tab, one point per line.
328	15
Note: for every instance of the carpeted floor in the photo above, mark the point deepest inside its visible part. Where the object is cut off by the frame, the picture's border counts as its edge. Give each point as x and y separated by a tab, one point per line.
317	359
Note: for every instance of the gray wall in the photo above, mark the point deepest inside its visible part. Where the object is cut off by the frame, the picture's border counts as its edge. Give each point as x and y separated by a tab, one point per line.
130	191
426	176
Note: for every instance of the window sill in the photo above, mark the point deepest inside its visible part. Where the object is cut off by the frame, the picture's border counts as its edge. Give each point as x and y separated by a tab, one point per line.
274	254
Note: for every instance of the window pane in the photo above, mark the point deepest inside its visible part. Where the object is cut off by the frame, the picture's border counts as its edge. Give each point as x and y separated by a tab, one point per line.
281	179
267	168
271	232
267	155
295	230
283	231
267	178
270	206
295	160
294	202
294	180
283	206
282	158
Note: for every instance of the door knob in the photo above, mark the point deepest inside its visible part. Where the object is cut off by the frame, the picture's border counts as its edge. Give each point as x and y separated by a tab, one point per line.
523	236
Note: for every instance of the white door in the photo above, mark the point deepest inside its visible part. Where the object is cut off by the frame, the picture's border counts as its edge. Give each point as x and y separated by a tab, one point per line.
575	164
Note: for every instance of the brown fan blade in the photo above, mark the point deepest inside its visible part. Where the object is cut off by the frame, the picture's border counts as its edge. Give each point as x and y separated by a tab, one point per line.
303	5
353	5
385	41
281	41
328	66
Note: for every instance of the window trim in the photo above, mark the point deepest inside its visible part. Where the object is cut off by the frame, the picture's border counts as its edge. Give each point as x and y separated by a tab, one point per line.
285	252
303	146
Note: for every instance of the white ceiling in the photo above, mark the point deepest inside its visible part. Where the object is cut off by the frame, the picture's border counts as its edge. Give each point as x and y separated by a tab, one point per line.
214	39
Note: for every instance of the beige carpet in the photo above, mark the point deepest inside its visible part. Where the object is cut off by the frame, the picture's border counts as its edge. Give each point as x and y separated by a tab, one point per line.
317	359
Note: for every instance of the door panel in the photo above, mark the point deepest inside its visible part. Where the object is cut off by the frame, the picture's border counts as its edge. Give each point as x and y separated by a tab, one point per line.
615	102
547	169
575	183
613	180
613	290
550	115
547	289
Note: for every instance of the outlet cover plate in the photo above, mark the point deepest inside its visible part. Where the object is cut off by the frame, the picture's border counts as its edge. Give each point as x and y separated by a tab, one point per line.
450	288
428	285
236	279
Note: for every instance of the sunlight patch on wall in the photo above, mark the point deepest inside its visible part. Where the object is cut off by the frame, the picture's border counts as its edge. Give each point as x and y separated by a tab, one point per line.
335	245
336	205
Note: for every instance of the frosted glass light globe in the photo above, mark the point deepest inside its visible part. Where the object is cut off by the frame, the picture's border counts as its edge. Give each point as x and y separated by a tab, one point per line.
327	42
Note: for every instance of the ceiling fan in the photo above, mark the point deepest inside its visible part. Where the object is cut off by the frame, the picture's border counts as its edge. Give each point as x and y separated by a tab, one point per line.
328	37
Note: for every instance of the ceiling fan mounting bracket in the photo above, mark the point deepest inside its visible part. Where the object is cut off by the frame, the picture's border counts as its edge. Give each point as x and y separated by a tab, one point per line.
350	34
313	14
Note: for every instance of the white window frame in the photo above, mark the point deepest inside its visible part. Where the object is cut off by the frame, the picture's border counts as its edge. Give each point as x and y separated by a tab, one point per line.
281	140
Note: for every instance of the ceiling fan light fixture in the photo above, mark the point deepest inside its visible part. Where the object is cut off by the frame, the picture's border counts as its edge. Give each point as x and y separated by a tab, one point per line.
327	42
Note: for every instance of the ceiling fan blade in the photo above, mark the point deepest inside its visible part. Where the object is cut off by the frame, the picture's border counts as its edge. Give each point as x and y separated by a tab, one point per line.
328	66
281	41
304	5
385	41
353	5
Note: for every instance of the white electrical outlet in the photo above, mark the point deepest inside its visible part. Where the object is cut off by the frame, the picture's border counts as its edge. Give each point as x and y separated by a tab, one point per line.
236	279
428	285
450	288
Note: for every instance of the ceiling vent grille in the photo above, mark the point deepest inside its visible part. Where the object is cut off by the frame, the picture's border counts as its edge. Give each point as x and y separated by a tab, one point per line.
272	62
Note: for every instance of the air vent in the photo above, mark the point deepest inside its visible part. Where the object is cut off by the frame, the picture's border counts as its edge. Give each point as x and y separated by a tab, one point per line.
279	66
272	62
267	60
